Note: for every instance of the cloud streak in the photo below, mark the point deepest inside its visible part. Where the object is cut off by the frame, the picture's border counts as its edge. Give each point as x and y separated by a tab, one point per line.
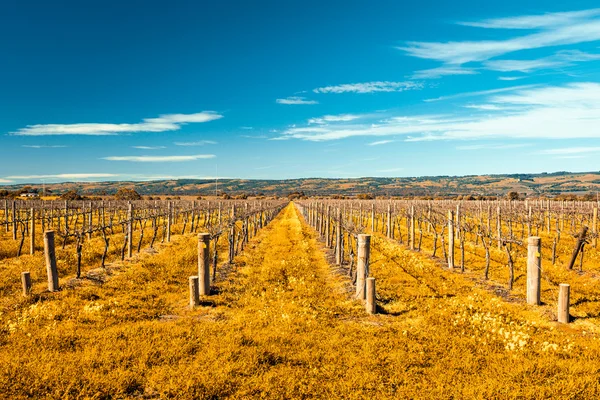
41	146
159	158
370	87
295	100
380	142
197	143
333	118
167	122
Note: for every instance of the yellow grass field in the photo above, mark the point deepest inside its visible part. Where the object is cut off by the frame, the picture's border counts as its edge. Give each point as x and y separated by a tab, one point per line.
284	324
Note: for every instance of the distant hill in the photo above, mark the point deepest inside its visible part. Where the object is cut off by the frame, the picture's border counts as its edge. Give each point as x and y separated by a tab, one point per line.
488	185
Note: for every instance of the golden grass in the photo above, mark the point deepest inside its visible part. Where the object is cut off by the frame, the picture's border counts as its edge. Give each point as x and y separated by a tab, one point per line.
284	326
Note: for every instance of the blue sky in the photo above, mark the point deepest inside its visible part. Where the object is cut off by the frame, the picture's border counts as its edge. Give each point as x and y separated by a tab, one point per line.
107	90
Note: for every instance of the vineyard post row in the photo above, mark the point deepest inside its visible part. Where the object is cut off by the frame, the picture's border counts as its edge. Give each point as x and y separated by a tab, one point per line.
365	284
199	285
82	220
349	220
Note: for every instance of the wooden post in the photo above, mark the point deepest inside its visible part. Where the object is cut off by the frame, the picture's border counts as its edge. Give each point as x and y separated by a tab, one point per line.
412	227
338	238
373	217
529	217
66	217
32	232
534	269
90	222
371	304
194	295
499	226
564	295
362	264
169	218
50	257
26	281
450	239
129	229
595	227
6	215
204	264
14	219
328	227
389	221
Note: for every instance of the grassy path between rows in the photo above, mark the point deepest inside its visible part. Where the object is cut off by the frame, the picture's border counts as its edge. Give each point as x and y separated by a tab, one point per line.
284	326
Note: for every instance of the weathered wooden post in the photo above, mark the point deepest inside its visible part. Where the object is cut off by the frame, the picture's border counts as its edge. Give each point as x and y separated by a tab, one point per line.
450	239
389	221
412	227
129	229
194	295
32	232
66	217
14	219
595	227
371	304
564	295
338	238
169	220
232	236
534	269
328	227
50	257
529	217
26	281
90	221
204	263
373	217
499	226
6	215
362	264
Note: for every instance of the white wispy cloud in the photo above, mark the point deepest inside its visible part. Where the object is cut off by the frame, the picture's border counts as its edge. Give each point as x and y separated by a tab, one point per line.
553	112
485	107
493	146
2	180
434	73
148	147
41	146
196	143
571	150
167	122
254	136
159	158
548	30
370	87
510	78
569	157
546	20
296	100
558	60
78	176
333	118
380	142
480	93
